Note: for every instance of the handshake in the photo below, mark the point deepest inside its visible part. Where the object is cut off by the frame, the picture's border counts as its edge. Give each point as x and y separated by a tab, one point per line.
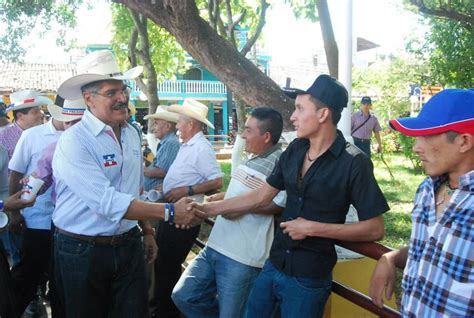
186	213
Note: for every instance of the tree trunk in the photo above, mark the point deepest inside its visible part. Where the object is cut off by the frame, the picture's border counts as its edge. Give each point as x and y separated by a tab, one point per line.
330	45
150	89
182	20
241	118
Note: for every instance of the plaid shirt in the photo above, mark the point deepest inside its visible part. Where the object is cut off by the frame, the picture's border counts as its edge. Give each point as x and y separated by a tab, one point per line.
9	138
438	280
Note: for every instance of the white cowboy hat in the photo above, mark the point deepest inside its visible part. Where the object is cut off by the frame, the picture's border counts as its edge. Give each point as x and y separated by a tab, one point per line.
164	114
96	66
71	110
27	99
193	109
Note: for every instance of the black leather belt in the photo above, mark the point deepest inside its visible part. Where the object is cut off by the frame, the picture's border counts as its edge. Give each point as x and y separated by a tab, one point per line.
366	141
103	240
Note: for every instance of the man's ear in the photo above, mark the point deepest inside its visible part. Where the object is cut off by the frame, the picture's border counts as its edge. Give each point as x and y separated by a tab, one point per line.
466	142
88	99
267	137
324	114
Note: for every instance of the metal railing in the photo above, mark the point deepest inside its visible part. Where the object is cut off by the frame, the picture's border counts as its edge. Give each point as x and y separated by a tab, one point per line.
187	87
370	249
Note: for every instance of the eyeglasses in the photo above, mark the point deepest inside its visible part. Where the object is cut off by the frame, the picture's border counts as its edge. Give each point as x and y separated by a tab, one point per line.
114	93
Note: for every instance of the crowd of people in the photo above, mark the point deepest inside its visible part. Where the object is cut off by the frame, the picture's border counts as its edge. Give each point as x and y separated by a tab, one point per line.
107	250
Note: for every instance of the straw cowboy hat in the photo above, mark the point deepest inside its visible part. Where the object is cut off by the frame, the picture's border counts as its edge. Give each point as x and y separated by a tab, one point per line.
27	99
71	110
97	66
193	109
164	114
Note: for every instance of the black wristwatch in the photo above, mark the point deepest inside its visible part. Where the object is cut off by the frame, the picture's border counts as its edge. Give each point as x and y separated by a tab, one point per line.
190	190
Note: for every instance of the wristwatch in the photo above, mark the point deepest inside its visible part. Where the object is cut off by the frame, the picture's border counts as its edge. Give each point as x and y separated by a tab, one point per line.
190	190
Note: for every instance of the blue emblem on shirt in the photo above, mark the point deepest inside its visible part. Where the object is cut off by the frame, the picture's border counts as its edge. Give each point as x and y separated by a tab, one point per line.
109	160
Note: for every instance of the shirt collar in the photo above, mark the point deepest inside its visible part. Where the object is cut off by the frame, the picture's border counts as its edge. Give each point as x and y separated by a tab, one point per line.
338	145
268	152
50	129
466	181
167	137
94	124
194	139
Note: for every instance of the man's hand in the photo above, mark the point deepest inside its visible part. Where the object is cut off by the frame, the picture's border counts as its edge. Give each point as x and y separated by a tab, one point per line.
175	194
383	279
298	229
147	171
379	148
150	247
15	202
216	197
187	213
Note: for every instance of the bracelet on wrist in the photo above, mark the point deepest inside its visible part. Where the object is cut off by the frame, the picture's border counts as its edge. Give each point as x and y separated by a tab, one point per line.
167	212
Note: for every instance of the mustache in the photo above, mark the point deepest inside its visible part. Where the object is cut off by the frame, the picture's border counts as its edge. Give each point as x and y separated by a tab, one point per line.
120	106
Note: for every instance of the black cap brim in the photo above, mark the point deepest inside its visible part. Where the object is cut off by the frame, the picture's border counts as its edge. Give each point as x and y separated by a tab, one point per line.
293	92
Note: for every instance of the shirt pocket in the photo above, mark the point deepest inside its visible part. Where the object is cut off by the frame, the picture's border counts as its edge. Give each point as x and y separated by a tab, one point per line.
456	256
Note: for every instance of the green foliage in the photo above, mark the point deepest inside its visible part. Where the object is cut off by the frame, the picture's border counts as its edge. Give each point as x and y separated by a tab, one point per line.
167	55
305	9
449	44
406	146
388	82
21	18
449	49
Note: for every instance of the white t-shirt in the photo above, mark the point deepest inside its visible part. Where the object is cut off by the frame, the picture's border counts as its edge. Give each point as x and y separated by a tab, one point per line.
247	239
28	151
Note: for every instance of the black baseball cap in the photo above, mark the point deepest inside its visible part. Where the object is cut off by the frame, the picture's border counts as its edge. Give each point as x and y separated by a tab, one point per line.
366	100
326	89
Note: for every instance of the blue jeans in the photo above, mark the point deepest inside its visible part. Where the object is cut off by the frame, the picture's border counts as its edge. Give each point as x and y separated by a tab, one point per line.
214	285
98	280
12	244
296	296
364	146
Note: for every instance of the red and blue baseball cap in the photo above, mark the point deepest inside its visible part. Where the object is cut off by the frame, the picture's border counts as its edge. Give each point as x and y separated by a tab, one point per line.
449	110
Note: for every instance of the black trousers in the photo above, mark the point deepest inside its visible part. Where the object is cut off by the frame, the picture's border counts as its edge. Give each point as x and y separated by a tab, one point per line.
34	268
173	247
7	297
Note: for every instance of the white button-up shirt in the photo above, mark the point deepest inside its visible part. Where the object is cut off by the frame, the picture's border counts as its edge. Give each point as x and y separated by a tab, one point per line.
195	163
96	179
28	151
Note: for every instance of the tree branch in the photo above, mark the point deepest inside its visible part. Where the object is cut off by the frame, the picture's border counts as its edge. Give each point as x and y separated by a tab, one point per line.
445	11
261	23
230	26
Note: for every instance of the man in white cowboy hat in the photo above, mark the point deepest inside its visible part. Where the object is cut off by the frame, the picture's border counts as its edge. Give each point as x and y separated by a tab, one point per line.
25	105
194	172
164	129
98	172
35	220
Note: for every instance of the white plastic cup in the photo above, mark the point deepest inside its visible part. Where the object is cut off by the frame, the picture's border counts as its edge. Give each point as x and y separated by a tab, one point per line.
32	188
3	221
154	195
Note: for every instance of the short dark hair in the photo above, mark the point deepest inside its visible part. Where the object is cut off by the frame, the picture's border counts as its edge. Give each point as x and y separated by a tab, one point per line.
451	135
93	87
270	121
24	111
335	114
